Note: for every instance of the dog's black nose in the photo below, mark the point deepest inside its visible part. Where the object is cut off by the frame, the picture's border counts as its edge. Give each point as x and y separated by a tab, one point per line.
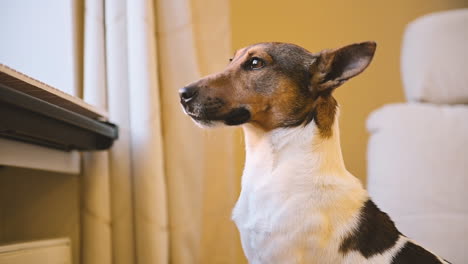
188	93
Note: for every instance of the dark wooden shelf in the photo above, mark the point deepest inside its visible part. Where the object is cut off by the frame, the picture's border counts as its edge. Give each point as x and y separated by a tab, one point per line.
35	113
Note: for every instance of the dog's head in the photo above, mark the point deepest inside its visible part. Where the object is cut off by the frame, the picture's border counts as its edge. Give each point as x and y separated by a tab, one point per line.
275	85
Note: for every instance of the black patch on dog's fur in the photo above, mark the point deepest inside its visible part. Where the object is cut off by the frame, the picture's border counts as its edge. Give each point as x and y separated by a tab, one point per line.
237	116
375	234
412	253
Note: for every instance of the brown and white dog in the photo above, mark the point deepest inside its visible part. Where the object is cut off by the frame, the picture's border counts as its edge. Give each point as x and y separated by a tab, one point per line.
298	202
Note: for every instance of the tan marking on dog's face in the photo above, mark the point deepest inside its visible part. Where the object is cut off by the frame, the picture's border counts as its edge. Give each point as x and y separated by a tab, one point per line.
271	85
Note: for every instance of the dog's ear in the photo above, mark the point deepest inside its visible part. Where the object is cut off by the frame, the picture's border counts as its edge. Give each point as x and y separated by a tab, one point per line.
334	67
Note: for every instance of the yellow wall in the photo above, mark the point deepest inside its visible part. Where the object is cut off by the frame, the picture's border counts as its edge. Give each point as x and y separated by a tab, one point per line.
318	25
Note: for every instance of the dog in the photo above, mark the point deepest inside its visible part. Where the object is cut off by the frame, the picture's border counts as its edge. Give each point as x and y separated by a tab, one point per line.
298	203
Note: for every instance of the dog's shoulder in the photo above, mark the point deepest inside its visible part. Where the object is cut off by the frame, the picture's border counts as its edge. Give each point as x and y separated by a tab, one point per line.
375	233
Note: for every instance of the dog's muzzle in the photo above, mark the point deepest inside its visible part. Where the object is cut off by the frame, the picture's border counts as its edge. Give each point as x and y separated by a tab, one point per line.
206	110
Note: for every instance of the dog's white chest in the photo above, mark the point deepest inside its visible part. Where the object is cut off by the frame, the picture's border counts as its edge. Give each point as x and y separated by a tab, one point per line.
284	213
277	221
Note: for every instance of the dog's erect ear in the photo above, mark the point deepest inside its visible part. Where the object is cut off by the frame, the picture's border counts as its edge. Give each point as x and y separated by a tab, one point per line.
334	67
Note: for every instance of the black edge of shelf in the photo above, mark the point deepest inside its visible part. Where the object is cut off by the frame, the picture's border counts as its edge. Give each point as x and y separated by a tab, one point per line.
29	119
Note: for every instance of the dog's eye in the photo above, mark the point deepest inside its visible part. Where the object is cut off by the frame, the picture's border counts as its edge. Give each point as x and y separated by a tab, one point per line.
256	63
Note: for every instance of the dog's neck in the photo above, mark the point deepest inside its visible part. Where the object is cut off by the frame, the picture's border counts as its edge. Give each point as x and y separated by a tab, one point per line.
295	182
303	148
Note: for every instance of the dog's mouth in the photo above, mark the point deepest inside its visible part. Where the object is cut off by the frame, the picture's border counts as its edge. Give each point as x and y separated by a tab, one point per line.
206	116
237	116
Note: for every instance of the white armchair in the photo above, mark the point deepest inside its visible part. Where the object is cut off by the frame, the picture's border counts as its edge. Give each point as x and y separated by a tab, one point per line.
418	151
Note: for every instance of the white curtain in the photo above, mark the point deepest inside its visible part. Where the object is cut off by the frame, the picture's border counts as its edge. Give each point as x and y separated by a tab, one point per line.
95	208
164	192
147	145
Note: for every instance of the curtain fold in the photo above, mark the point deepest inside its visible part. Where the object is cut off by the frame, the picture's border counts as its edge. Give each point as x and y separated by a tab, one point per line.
95	189
166	186
121	183
146	138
